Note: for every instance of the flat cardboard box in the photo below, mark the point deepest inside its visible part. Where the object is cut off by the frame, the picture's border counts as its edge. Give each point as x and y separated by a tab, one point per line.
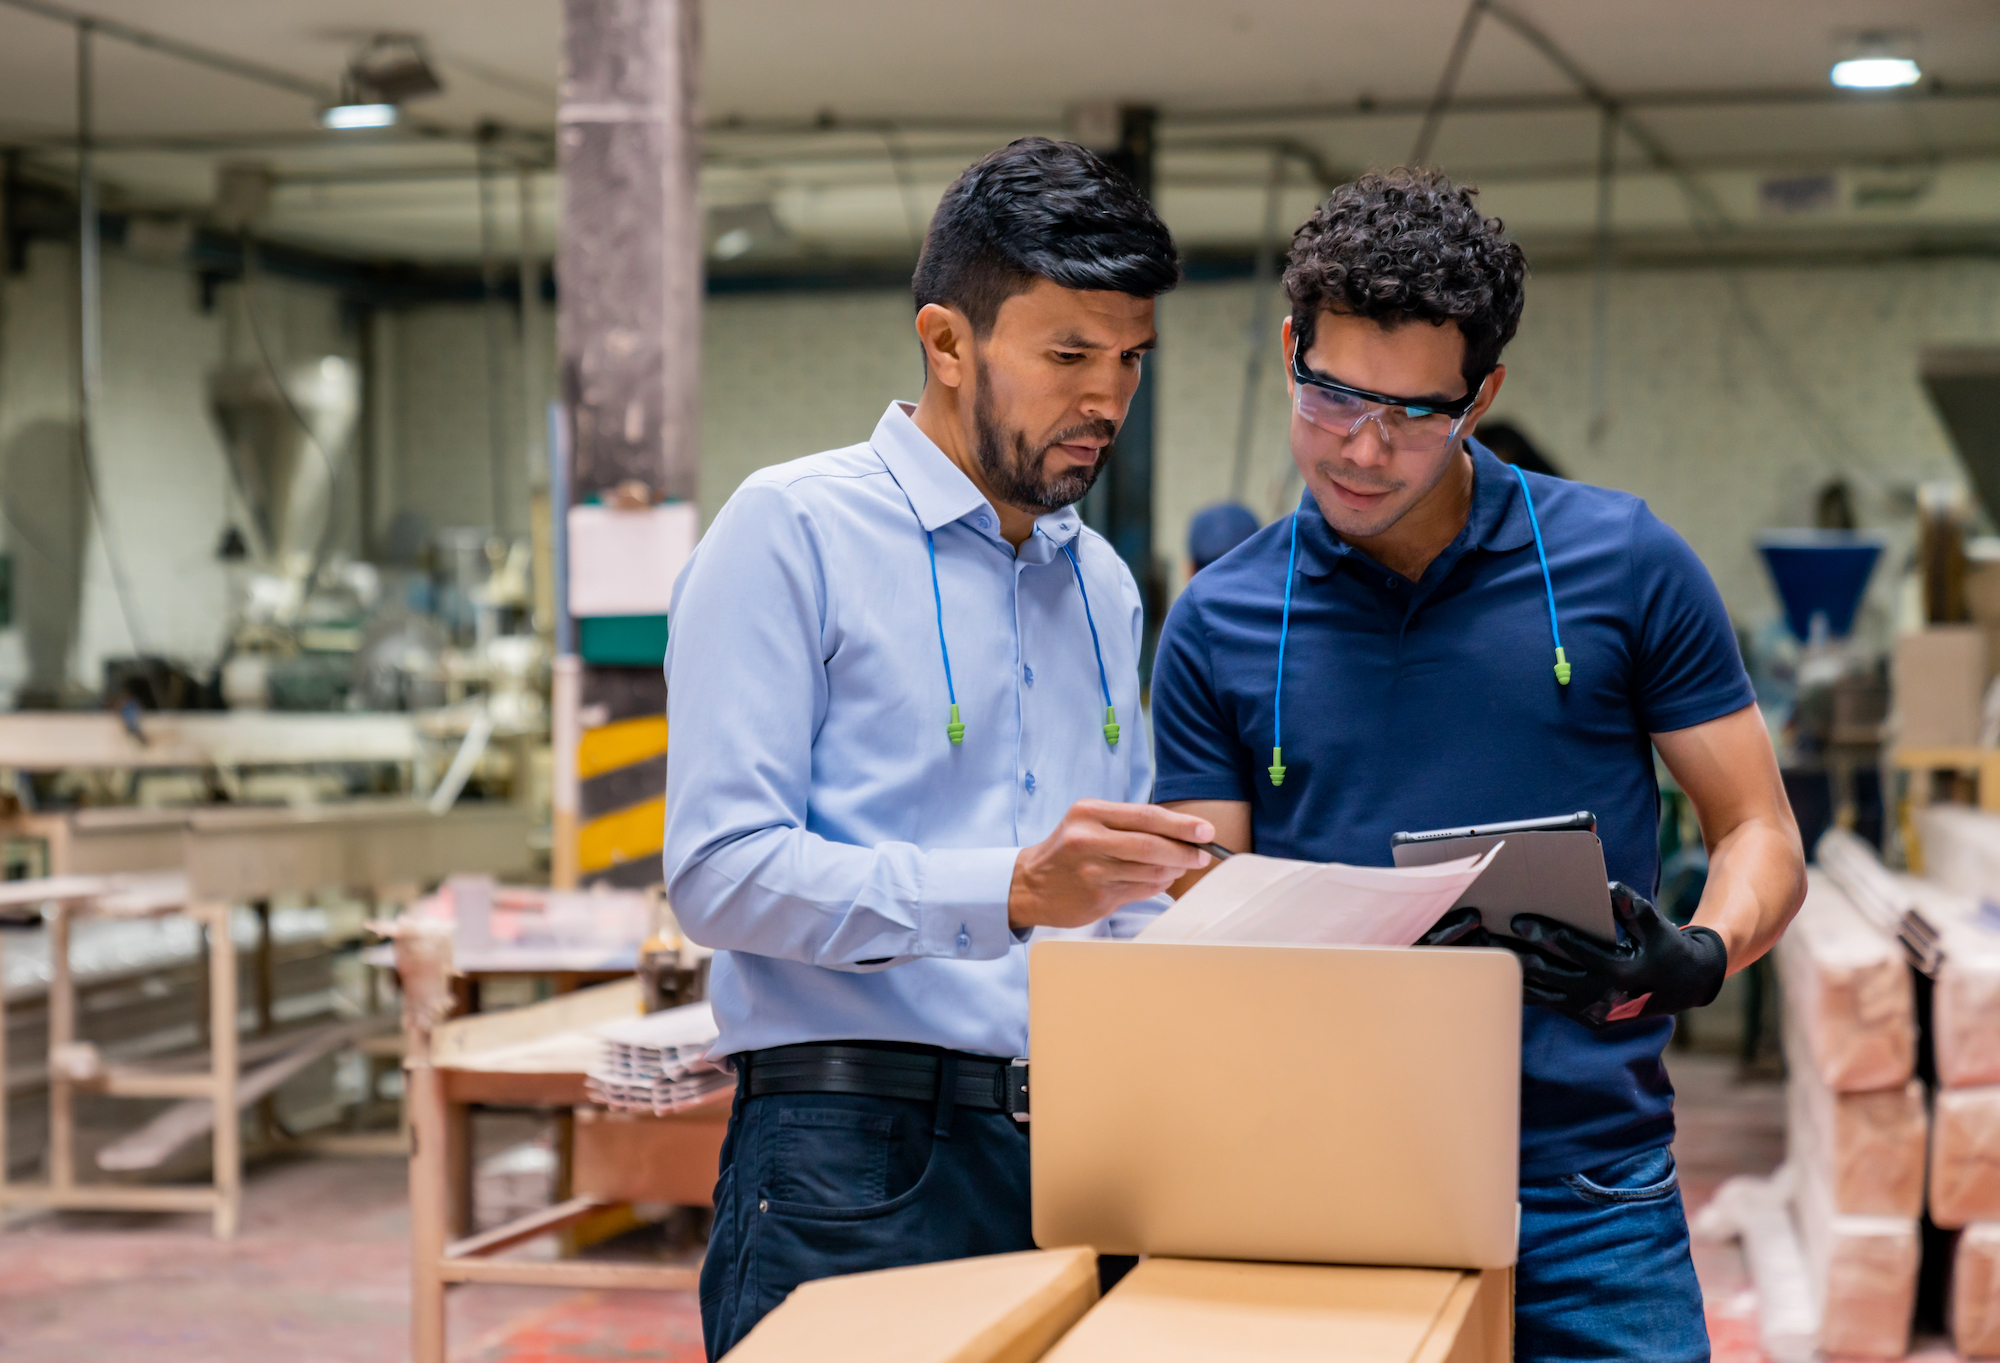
1938	679
1848	993
1002	1308
1868	1147
1960	847
1183	1310
1965	1157
1975	1292
1863	1271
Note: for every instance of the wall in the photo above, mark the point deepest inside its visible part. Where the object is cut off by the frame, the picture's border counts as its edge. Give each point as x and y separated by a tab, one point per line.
164	485
1733	396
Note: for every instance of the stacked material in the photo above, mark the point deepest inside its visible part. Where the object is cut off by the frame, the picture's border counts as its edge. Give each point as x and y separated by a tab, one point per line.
1857	1122
658	1063
1961	855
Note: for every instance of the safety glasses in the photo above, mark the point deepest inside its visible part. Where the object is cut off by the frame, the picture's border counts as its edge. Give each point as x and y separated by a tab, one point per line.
1334	407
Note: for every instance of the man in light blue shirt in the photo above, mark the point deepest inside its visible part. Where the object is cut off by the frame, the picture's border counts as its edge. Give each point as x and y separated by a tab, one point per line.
904	704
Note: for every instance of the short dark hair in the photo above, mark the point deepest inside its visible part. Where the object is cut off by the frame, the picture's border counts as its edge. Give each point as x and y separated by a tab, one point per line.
1409	245
1041	209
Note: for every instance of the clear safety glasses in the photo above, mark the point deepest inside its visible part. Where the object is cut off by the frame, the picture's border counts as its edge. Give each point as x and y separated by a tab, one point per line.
1339	410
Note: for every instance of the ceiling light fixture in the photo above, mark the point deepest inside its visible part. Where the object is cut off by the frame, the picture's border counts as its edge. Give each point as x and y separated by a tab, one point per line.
367	114
1877	61
389	69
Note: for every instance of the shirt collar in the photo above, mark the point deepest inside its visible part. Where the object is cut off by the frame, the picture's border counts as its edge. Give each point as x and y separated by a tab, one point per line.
1498	521
937	488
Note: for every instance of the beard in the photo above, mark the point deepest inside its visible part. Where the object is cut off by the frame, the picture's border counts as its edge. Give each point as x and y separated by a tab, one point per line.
1014	471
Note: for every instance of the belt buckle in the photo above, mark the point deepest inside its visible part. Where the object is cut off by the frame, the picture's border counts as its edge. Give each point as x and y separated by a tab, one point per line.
1014	1100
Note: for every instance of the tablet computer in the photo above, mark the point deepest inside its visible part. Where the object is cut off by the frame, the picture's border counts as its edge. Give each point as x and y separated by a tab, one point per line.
1553	867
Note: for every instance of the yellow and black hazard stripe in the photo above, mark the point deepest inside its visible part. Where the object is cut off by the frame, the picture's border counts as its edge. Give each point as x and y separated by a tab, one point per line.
621	769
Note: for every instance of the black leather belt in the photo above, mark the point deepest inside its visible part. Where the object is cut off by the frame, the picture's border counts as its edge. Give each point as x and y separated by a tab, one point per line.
981	1083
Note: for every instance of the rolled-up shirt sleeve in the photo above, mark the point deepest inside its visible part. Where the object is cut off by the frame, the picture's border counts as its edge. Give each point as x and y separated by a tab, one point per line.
746	693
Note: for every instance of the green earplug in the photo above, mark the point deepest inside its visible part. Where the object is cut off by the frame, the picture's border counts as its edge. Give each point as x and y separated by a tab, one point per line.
1562	669
955	730
1111	725
1277	766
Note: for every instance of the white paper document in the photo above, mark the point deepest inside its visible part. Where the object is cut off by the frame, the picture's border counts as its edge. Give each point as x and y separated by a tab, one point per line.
1270	901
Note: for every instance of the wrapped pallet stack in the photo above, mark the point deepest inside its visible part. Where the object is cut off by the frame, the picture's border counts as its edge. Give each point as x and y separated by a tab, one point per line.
1961	855
1857	1122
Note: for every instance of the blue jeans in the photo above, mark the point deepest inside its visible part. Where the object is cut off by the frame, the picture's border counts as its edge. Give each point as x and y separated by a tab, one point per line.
818	1184
1604	1271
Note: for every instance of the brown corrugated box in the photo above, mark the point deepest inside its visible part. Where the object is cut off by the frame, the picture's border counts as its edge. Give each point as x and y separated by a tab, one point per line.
1012	1308
1939	680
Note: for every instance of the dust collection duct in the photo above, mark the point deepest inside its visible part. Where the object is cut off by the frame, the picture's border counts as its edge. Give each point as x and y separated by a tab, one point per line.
287	448
1964	386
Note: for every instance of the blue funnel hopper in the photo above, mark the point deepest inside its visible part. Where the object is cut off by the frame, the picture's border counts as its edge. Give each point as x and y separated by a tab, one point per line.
1819	572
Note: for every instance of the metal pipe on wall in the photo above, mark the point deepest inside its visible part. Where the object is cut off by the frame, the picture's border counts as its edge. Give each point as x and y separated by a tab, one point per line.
494	321
1600	284
90	324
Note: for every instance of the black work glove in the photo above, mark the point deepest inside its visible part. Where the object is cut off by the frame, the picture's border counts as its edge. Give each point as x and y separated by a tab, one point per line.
1658	970
1459	928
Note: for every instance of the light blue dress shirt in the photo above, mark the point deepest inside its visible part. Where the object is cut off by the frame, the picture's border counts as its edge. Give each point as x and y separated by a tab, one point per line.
848	862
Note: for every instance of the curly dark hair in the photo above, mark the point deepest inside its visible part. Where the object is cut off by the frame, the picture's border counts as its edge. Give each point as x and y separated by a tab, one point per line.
1409	245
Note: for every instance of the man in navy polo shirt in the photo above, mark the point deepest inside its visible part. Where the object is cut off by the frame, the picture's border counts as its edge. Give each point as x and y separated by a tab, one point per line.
1446	641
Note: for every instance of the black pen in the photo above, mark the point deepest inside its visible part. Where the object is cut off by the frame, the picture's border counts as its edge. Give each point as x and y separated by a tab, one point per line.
1214	849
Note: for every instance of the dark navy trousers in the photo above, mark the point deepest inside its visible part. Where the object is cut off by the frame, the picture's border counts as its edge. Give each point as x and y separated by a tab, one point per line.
819	1184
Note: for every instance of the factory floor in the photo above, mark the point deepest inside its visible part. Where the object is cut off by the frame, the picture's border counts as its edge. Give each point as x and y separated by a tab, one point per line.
320	1273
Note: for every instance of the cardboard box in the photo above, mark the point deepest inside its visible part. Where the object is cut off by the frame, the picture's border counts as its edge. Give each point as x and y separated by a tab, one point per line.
1184	1310
1004	1308
1965	1157
1848	993
1975	1292
633	1157
1939	681
1863	1271
1017	1308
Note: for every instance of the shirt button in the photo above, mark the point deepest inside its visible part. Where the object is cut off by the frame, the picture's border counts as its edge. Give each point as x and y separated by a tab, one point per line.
1393	583
1028	675
985	522
1031	783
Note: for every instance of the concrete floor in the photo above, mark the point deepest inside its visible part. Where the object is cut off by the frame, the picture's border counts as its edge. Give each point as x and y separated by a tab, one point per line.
320	1273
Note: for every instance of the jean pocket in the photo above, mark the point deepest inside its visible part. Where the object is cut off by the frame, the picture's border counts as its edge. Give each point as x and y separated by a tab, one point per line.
1649	1176
832	1158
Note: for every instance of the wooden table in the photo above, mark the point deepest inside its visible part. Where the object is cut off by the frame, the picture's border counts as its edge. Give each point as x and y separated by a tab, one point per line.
229	856
532	1057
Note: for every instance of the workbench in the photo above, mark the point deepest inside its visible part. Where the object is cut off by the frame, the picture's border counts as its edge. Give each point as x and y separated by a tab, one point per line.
530	1057
228	856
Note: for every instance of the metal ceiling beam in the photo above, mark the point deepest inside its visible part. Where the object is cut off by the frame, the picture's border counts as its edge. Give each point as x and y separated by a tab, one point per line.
258	72
272	77
1571	101
1701	199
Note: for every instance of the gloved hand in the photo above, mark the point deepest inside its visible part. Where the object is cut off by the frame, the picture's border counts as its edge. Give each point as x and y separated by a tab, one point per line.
1459	928
1658	970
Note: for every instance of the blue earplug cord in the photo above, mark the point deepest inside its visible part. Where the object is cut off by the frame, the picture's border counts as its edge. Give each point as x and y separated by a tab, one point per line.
956	730
1277	769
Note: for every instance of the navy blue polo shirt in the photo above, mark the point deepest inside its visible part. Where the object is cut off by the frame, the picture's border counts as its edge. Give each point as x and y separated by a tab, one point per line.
1434	704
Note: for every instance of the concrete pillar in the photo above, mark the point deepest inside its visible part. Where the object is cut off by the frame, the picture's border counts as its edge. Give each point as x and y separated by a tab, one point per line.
629	276
630	263
1120	507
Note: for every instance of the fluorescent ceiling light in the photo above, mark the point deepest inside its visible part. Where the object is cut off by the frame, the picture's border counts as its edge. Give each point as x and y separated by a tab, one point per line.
345	116
1876	73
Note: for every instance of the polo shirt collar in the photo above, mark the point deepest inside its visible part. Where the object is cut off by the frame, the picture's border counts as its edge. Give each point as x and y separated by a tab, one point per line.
1498	521
937	488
